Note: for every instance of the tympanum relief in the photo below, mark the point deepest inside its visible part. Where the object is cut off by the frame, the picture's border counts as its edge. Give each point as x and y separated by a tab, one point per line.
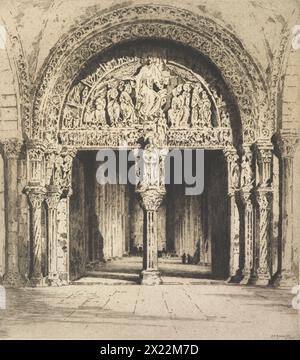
125	98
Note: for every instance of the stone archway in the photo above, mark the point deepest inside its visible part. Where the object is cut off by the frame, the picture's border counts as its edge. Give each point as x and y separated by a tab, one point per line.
75	110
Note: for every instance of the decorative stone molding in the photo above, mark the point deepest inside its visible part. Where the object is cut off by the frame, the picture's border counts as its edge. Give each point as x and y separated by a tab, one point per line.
94	36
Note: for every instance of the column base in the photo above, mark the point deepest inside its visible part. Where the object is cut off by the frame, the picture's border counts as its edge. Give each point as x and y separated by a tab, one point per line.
260	280
13	279
234	279
245	279
150	277
286	280
38	281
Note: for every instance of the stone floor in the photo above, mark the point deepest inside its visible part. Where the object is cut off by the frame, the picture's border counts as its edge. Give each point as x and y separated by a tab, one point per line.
184	307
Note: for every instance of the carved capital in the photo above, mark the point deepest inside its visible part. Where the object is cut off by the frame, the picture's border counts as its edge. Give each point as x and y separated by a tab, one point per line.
287	142
152	198
11	148
35	150
53	196
36	196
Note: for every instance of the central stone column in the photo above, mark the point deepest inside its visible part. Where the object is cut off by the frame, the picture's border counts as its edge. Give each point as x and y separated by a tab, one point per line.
151	199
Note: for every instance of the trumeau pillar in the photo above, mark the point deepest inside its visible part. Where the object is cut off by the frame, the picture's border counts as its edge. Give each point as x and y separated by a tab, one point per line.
11	152
287	141
246	194
233	172
262	268
151	189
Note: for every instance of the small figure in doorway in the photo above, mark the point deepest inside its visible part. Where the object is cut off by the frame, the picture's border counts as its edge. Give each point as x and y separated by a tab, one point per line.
183	258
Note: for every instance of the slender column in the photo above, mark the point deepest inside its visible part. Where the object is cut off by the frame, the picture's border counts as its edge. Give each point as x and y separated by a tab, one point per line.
287	142
151	200
36	195
52	200
233	172
262	267
11	150
246	258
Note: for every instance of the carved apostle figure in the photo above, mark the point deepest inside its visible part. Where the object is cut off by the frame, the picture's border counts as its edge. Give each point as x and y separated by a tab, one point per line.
176	110
186	105
196	105
126	105
99	112
113	107
205	110
246	172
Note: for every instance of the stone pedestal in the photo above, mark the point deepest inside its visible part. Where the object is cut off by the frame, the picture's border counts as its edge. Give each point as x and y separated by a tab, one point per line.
11	151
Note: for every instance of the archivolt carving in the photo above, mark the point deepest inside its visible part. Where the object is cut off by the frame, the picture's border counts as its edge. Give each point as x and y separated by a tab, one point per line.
103	31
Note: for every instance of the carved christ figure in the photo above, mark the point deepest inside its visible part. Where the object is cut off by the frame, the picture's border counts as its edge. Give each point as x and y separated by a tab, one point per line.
148	100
